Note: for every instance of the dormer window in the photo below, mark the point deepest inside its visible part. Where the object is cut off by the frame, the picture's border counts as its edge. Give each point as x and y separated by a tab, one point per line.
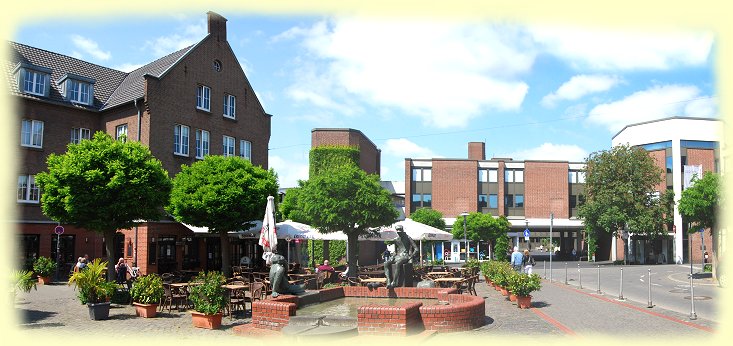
77	89
33	79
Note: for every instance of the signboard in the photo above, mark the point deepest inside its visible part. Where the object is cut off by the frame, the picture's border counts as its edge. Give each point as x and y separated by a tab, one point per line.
526	233
59	230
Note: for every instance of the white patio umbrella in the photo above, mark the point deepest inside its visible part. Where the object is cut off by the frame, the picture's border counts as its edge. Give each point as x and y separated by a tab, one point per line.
420	231
268	234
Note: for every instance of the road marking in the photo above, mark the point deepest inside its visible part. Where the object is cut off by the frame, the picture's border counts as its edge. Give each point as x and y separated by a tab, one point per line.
553	321
646	311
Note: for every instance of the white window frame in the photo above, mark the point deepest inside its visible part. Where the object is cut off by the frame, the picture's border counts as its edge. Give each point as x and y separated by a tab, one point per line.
230	106
483	175
245	149
493	175
35	80
28	190
31	133
203	98
203	140
121	130
180	139
79	133
78	91
228	143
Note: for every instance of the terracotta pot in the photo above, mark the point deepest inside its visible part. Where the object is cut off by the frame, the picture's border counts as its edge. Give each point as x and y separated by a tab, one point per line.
504	292
524	302
497	287
512	297
44	280
146	310
206	321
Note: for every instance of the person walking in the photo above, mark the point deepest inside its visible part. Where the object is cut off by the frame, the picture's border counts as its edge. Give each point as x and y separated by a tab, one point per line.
517	259
527	262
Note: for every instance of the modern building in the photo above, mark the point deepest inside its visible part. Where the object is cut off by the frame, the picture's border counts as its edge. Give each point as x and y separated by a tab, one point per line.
680	146
191	103
535	195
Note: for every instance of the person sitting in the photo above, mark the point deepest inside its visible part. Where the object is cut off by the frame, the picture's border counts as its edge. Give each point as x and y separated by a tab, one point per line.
121	271
325	267
80	264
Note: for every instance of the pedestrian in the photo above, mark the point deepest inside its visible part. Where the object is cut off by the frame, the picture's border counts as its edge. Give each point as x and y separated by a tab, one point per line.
574	253
517	259
527	262
80	264
121	271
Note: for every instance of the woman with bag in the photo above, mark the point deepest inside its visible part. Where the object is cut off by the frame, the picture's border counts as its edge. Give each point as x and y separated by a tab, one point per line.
527	262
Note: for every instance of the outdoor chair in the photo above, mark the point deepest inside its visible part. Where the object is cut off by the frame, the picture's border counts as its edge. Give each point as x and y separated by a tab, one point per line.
256	292
172	296
237	300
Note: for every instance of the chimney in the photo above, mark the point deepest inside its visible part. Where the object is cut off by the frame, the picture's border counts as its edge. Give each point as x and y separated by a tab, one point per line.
217	26
477	151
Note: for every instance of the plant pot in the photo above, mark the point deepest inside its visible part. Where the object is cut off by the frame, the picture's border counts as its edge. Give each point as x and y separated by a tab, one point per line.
497	287
145	310
99	311
504	292
524	302
201	320
512	297
44	280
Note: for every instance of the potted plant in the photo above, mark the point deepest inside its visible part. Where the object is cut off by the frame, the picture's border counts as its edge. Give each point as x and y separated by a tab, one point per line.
22	281
522	286
94	289
208	298
44	268
146	292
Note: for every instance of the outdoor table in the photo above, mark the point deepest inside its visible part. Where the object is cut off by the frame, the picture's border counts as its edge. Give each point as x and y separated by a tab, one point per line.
439	274
232	290
373	280
372	273
452	281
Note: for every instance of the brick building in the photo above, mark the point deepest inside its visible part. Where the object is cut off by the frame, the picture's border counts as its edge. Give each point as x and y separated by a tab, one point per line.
191	103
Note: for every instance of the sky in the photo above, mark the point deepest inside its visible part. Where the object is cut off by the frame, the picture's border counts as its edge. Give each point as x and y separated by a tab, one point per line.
422	87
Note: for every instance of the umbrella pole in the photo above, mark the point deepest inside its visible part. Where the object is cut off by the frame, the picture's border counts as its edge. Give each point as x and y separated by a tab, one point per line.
421	259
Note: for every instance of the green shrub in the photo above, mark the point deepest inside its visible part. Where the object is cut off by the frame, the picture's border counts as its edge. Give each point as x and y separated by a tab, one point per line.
521	284
23	281
147	289
708	268
207	295
44	266
91	283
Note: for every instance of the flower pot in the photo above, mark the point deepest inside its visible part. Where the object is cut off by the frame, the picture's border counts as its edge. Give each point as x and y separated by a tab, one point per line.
201	320
99	311
145	310
44	280
524	302
504	292
512	297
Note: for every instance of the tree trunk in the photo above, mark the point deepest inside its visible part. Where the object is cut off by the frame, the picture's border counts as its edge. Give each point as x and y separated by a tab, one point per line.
326	252
109	238
351	243
226	266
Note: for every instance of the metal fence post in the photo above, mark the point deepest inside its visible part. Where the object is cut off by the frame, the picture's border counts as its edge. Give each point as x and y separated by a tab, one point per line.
621	286
693	315
599	280
544	268
566	273
580	277
649	277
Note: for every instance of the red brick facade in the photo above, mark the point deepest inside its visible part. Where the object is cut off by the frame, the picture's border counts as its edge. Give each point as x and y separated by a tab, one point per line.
455	186
546	189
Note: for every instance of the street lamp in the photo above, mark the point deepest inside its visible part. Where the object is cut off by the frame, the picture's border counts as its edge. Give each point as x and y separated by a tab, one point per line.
465	241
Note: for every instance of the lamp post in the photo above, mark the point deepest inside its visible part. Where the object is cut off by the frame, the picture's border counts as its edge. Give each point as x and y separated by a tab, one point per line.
465	241
526	238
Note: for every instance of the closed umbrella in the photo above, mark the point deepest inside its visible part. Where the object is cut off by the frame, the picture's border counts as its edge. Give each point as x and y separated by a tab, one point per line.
268	234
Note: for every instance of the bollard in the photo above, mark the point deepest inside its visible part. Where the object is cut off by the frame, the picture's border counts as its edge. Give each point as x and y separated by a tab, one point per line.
580	278
693	315
544	269
599	280
566	273
621	286
649	277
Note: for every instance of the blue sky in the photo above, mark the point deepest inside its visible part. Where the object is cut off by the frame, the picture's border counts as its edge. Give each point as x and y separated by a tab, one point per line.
424	88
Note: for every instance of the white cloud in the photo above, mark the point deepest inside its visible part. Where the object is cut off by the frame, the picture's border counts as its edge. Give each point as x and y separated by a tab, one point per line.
127	67
550	151
617	50
404	148
579	86
654	103
185	37
89	47
444	73
288	171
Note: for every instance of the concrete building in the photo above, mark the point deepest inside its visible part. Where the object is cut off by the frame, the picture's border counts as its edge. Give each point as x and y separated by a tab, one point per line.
186	105
678	145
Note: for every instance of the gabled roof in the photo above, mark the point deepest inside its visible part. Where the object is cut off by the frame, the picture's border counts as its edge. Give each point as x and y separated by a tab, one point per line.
111	87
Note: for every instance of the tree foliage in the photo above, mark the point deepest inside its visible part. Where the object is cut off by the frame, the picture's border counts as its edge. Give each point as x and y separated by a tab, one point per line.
223	194
699	203
346	199
328	157
620	188
104	185
430	217
480	226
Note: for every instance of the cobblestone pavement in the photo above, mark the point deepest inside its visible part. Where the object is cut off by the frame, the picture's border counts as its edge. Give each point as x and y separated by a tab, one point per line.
558	310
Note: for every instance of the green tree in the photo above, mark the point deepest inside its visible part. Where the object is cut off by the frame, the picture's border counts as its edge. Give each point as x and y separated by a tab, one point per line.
480	226
621	190
430	217
104	185
699	206
223	194
347	199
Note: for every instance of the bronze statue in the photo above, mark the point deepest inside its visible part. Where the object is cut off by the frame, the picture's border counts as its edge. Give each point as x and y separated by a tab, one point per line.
279	277
404	252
